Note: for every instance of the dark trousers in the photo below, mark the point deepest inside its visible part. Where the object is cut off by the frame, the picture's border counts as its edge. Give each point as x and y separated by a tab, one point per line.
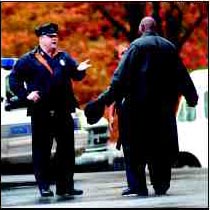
135	172
45	128
138	155
160	174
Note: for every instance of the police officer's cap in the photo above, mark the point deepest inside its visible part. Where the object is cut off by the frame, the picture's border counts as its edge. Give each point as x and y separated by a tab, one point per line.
46	29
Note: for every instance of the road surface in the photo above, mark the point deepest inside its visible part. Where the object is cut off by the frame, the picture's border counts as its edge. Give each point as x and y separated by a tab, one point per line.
189	189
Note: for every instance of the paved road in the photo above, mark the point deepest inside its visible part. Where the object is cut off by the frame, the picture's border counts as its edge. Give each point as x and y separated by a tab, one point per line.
189	188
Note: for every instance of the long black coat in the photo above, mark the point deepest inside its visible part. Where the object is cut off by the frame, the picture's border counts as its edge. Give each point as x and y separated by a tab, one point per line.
150	77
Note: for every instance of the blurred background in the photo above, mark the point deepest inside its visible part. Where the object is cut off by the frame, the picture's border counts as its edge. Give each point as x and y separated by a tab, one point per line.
96	30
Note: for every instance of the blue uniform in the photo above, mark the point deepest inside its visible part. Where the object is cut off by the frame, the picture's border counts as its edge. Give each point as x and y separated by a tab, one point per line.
51	115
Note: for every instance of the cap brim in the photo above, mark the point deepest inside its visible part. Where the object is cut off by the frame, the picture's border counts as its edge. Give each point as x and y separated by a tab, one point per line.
51	34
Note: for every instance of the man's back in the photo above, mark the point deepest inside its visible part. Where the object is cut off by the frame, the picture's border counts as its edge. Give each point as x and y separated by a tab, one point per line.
155	69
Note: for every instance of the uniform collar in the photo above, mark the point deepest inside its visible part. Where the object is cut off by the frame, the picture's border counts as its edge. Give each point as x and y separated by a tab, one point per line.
38	49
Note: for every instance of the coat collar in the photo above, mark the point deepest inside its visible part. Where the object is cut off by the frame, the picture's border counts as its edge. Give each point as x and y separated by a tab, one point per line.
150	33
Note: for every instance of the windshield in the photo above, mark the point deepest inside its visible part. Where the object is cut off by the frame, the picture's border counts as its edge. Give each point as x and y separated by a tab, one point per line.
187	113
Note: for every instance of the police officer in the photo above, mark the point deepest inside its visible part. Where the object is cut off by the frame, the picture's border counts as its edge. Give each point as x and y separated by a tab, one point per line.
150	77
42	78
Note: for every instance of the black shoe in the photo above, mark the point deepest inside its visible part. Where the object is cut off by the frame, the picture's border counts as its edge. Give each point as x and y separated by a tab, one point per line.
160	192
76	192
162	189
69	192
46	193
130	192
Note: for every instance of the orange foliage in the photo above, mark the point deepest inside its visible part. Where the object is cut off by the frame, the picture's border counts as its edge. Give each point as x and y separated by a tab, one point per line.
195	50
85	33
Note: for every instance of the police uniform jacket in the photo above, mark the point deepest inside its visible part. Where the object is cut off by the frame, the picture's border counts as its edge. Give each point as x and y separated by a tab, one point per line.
55	90
150	77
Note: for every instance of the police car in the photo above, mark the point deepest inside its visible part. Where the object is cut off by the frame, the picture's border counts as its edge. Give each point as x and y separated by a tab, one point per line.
99	148
16	125
91	141
192	125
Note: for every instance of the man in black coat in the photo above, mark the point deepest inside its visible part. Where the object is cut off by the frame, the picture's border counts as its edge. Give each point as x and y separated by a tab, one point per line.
150	77
42	79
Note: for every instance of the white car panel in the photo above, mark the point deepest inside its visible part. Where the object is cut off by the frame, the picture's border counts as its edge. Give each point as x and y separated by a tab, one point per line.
192	122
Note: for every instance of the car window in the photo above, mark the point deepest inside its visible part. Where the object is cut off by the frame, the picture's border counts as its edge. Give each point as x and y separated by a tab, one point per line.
186	113
206	106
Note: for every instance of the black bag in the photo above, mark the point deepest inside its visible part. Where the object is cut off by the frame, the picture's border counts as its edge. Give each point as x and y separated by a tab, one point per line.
94	110
15	103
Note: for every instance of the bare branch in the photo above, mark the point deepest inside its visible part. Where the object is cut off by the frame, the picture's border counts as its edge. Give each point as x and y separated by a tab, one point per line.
190	31
114	22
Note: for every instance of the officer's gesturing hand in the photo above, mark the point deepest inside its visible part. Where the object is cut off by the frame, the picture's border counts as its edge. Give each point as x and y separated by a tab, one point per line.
34	96
84	65
56	92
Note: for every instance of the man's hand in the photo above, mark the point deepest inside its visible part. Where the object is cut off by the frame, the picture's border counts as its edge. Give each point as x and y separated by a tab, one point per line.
111	123
192	100
84	65
111	112
34	96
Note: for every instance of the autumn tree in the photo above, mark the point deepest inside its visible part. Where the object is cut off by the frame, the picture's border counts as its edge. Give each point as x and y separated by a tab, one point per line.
95	29
176	21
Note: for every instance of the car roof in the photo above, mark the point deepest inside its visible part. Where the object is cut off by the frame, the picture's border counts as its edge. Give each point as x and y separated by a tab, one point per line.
200	78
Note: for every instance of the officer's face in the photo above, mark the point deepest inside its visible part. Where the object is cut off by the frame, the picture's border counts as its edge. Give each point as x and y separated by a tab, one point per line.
49	41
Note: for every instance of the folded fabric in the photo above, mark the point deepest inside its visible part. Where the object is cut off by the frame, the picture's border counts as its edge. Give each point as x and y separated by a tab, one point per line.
94	110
